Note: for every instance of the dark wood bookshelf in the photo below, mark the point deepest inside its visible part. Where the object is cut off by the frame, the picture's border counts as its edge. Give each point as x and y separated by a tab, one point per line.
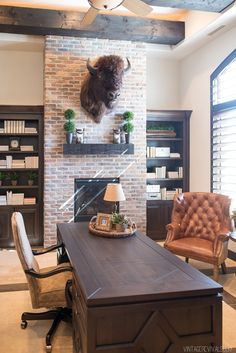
159	211
33	213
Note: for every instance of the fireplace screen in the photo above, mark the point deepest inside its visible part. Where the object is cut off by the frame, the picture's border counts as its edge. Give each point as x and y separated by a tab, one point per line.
88	199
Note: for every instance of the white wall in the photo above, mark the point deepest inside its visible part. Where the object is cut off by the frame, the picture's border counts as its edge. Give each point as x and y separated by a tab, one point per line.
21	75
195	71
162	83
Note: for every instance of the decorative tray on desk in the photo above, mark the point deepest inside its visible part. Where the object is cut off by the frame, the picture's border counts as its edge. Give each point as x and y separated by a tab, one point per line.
112	233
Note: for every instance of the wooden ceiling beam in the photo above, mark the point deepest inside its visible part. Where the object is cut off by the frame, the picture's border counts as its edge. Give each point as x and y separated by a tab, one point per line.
66	23
200	5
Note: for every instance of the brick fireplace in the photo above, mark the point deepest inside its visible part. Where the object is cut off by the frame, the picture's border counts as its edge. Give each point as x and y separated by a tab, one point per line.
65	67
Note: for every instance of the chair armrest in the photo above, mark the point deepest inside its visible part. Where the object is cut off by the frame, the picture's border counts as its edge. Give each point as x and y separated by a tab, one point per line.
220	241
173	231
49	273
50	248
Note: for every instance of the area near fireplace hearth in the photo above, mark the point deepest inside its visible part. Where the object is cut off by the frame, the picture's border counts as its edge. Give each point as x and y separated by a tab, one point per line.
65	67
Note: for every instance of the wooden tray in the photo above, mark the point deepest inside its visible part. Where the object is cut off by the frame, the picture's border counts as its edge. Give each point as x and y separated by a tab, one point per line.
113	233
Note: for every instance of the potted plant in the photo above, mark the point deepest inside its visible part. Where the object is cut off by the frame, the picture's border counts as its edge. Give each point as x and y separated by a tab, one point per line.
2	177
128	126
120	221
32	176
13	176
69	125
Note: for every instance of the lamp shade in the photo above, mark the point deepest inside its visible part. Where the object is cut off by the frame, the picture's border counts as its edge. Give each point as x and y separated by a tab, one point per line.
114	192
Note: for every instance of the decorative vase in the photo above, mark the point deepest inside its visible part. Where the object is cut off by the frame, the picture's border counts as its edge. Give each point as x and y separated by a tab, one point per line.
30	182
116	136
121	227
13	182
127	137
69	137
122	136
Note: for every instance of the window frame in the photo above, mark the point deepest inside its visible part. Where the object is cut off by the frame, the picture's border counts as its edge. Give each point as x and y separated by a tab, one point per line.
221	107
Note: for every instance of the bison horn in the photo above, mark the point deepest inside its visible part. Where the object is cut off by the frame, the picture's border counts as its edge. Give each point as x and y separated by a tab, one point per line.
92	69
127	69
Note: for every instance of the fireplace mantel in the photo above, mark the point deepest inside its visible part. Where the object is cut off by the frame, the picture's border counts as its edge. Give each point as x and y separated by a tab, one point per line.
98	148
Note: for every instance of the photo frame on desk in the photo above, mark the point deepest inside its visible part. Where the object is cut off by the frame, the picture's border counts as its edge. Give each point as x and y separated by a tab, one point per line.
103	222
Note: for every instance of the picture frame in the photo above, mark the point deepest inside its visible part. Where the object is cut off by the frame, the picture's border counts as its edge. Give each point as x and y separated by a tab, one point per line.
103	222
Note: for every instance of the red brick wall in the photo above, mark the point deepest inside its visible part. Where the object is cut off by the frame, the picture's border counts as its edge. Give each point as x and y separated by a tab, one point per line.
65	68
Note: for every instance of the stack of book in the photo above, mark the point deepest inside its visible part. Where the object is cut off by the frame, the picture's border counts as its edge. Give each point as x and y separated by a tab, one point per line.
14	127
26	148
3	200
29	201
161	133
4	148
31	162
153	152
3	163
151	175
160	172
170	194
172	175
174	155
18	163
15	199
30	130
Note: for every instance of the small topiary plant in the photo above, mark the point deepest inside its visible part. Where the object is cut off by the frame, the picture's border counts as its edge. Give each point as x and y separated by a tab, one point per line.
128	116
69	126
69	114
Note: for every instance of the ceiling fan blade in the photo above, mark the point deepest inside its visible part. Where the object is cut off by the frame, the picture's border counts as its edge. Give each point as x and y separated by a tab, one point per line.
89	17
138	7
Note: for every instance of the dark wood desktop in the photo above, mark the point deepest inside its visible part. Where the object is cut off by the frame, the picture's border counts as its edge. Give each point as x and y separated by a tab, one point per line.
132	296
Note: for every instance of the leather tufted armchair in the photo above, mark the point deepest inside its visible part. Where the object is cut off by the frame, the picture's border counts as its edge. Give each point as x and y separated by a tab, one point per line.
199	229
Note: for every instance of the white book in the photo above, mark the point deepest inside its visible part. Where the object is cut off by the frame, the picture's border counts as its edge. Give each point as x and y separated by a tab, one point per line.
9	161
4	148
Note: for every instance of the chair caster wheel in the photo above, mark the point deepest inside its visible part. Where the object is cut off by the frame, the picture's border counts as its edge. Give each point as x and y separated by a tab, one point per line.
23	325
48	349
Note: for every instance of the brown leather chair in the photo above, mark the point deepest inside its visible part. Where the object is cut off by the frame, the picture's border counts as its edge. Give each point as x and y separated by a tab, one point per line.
199	229
48	286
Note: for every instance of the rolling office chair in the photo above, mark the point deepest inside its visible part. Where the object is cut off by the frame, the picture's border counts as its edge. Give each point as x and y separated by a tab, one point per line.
48	286
200	227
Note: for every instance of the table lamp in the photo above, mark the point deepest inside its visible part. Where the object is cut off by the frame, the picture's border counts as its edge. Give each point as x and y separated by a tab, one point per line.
114	193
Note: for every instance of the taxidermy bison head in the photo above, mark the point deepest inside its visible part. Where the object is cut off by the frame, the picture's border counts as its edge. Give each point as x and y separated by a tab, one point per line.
101	88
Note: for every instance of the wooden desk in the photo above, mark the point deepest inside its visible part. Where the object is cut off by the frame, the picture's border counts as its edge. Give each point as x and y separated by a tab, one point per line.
132	296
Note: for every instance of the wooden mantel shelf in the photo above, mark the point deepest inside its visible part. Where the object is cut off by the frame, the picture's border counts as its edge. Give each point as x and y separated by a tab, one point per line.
98	148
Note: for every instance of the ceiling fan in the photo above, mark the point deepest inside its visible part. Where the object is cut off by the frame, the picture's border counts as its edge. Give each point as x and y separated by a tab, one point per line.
137	6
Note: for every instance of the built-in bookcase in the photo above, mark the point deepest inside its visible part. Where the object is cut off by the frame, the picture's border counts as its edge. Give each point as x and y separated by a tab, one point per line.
21	155
167	166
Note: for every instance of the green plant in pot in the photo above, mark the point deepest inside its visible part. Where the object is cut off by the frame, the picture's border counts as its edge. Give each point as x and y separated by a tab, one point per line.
2	177
69	125
32	176
128	126
13	176
119	221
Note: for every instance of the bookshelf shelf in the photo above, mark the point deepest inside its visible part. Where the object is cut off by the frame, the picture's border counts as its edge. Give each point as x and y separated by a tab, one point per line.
12	187
18	152
18	169
21	126
159	205
162	179
156	138
163	158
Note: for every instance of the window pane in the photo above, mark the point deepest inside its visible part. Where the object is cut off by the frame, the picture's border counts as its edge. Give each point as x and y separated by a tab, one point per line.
224	154
224	85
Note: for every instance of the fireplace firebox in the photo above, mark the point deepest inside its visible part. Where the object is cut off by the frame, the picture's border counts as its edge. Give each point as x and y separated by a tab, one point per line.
88	198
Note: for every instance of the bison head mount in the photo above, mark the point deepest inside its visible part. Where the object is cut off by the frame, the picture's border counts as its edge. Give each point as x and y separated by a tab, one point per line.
101	88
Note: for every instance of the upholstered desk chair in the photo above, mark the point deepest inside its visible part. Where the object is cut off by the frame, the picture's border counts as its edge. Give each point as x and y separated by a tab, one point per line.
47	286
199	229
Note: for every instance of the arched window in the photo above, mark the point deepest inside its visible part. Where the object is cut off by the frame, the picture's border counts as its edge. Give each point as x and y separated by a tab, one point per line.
223	128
